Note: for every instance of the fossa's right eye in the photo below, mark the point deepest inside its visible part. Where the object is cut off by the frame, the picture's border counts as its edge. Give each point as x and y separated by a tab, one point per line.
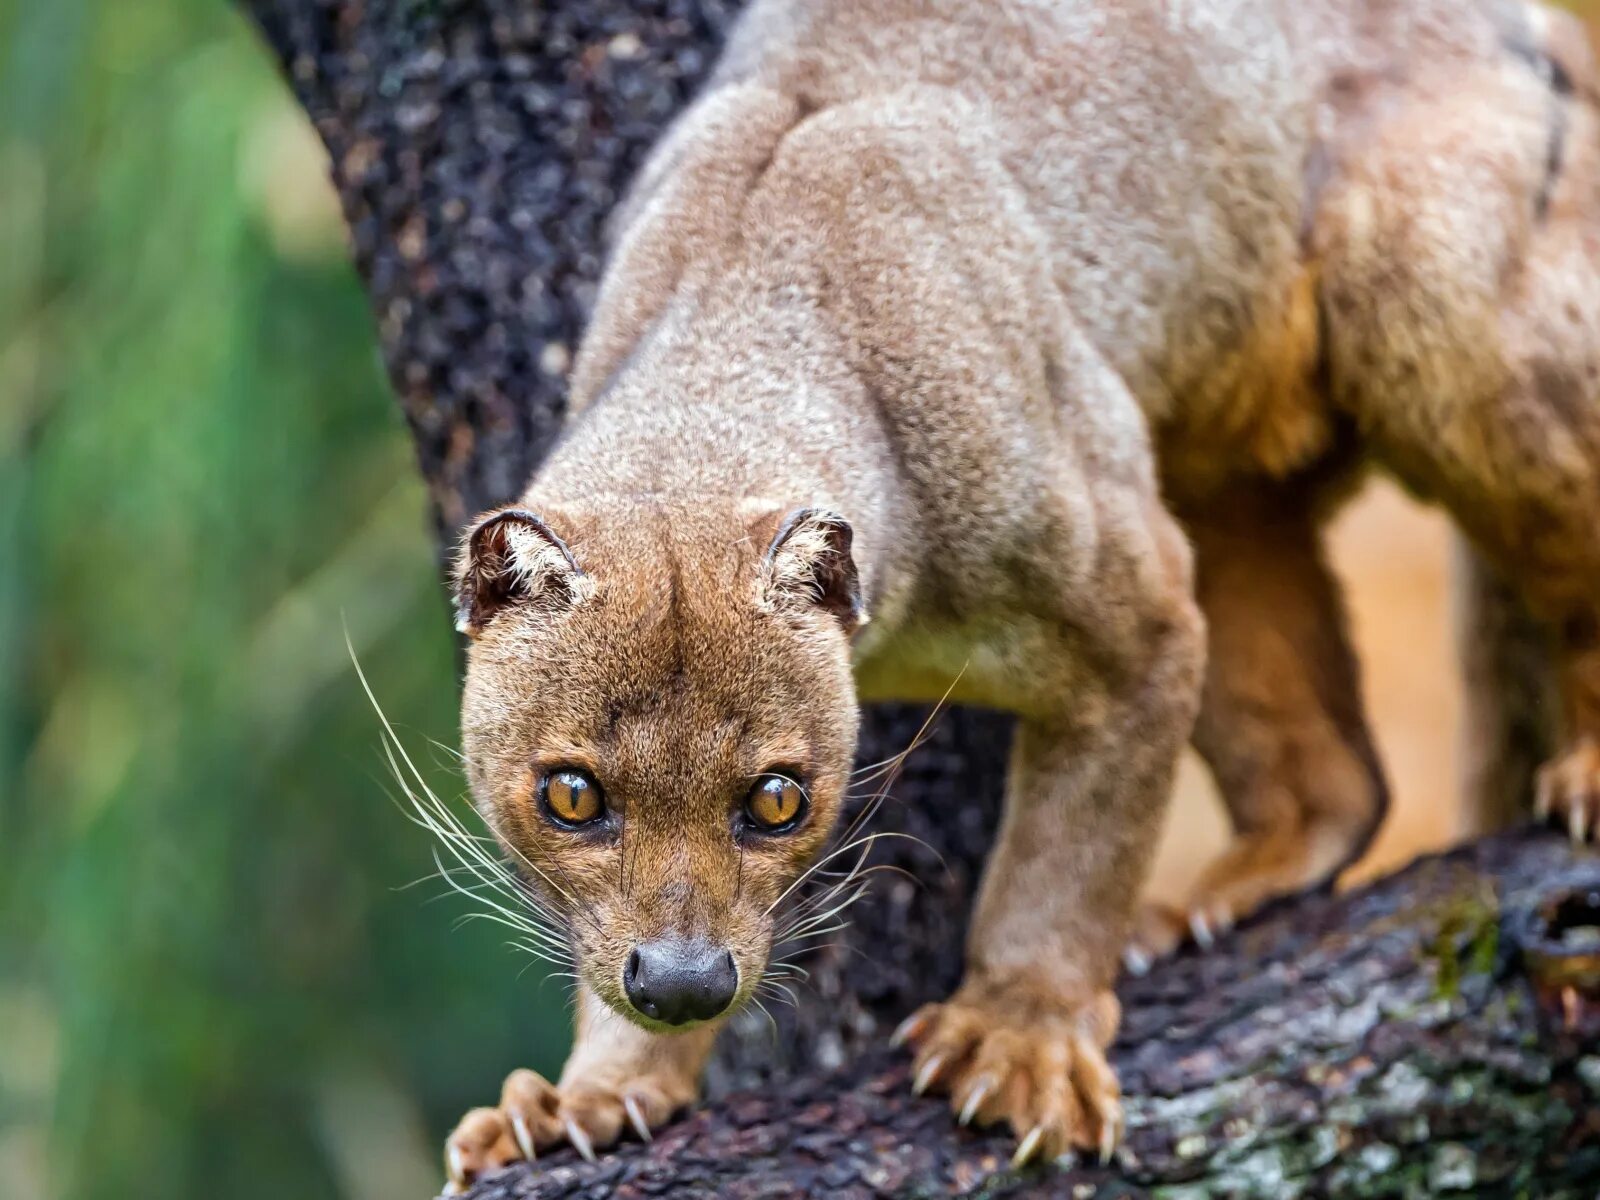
776	804
571	797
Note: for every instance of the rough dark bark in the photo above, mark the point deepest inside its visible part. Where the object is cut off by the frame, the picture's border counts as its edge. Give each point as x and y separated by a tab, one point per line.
1379	1044
1391	1042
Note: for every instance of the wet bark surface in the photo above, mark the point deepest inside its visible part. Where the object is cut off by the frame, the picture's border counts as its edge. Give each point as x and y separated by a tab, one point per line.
1386	1043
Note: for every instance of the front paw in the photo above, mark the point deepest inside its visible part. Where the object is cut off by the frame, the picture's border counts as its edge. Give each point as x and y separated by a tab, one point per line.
1030	1059
1568	790
535	1115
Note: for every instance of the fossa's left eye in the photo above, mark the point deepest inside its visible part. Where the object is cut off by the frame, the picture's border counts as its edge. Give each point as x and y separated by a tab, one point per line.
571	797
776	804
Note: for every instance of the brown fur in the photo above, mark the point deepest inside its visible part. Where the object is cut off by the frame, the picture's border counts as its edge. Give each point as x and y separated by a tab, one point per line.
998	283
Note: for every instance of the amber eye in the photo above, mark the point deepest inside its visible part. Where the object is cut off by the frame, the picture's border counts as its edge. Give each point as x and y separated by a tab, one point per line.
572	797
776	804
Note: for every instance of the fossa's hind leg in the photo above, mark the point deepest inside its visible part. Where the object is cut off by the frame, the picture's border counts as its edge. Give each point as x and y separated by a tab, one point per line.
1460	253
1281	723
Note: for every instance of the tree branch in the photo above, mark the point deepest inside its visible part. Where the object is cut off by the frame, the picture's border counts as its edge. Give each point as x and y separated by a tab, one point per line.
1392	1042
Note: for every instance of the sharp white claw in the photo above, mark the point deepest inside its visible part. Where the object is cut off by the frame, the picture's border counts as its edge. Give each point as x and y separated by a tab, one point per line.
455	1164
1108	1133
1136	960
519	1130
904	1031
1578	821
636	1118
975	1099
579	1139
926	1076
1201	929
1028	1147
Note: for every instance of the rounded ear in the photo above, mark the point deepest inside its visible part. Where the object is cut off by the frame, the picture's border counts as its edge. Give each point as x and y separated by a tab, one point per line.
809	562
511	557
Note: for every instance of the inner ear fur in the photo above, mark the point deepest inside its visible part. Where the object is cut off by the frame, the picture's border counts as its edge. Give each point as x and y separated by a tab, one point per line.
511	557
809	562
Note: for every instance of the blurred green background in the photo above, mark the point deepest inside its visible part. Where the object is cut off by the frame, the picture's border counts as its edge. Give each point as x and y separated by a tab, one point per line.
210	982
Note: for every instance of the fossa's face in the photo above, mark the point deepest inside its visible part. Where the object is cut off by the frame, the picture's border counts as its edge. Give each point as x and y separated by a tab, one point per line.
660	737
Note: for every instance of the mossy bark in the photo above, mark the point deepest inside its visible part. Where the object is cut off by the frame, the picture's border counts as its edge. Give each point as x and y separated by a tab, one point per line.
1386	1043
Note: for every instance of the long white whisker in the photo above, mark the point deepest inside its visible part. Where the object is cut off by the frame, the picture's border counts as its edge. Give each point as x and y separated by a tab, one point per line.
780	991
841	880
466	847
811	910
831	946
439	874
796	938
815	920
466	851
551	942
449	750
522	911
571	900
530	948
506	916
756	1000
863	842
497	878
887	765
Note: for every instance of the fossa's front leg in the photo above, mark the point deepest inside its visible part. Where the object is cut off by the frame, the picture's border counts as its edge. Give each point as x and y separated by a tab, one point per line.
618	1079
1023	1040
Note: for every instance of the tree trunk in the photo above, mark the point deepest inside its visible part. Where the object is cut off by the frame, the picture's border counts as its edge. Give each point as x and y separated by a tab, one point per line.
1380	1044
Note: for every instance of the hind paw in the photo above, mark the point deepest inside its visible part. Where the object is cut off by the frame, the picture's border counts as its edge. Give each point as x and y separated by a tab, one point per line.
1568	791
1160	929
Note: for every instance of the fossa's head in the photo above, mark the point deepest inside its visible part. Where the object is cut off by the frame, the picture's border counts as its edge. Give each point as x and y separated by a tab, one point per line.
658	722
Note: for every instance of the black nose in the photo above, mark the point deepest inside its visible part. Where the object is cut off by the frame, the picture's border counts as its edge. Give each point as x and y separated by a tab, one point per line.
676	981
